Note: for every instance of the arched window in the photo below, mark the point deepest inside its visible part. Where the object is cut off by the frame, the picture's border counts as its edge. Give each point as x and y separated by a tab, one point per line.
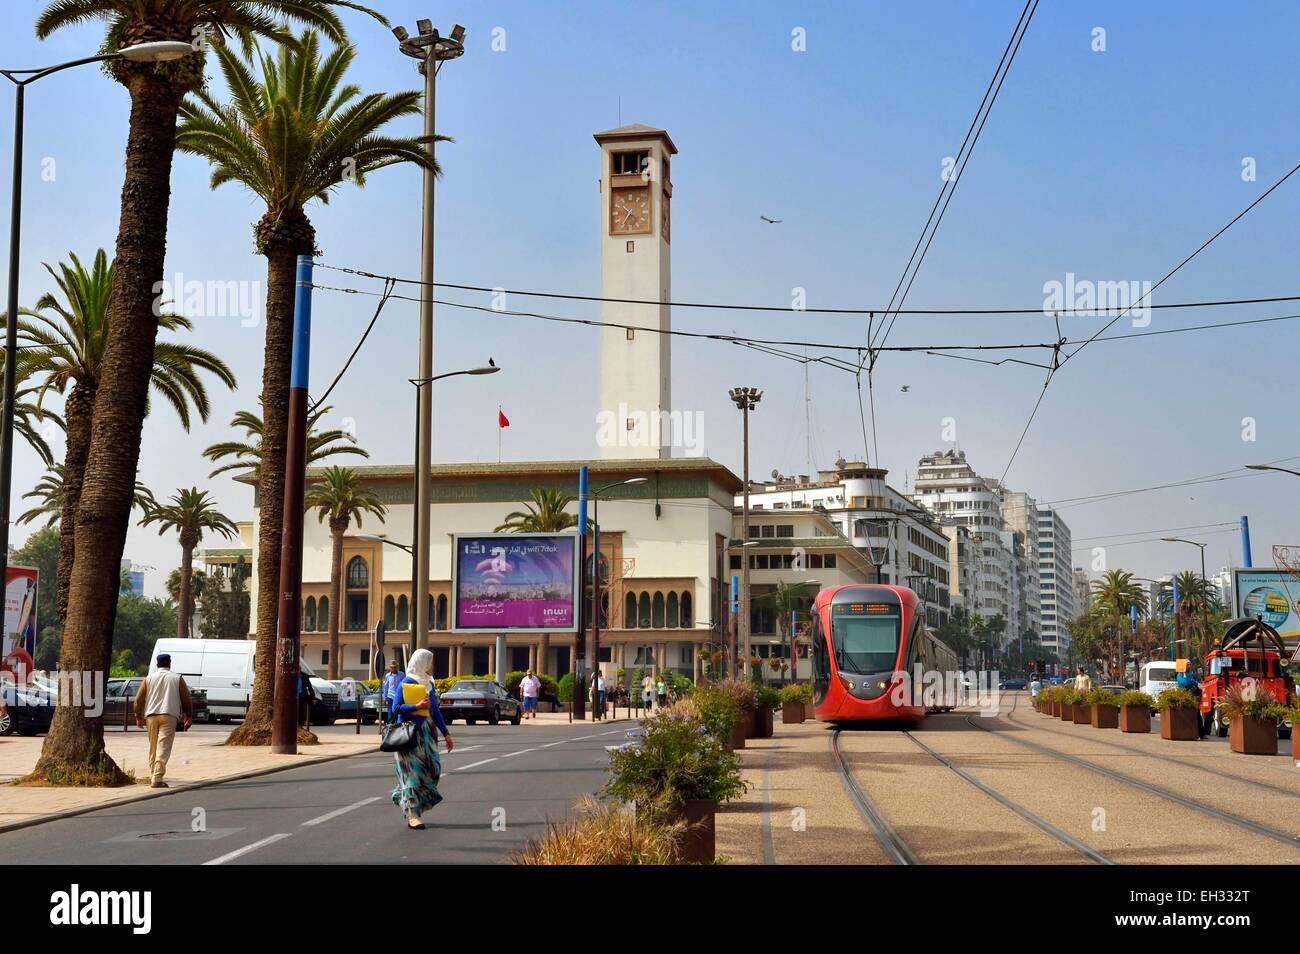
390	612
309	615
629	611
687	620
358	576
643	611
430	618
442	611
323	614
403	613
672	611
658	615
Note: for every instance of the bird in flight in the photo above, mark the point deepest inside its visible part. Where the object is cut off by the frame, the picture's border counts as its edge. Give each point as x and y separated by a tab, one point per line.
769	221
906	387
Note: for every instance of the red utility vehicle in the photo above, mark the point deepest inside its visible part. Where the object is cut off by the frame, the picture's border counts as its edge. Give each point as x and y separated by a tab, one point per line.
1252	654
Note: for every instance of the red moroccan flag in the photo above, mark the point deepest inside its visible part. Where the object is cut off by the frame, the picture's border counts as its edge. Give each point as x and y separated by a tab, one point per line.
502	420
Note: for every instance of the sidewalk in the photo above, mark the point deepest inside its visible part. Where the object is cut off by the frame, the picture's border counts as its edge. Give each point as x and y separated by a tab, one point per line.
198	758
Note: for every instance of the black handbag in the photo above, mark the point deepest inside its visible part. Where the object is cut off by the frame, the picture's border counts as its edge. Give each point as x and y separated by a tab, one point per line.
398	737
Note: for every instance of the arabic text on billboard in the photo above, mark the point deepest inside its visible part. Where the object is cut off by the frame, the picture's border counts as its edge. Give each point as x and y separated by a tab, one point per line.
515	582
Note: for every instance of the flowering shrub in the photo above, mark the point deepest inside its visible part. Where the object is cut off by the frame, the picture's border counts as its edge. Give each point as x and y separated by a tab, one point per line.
1252	703
1176	699
1102	697
679	759
800	692
717	710
1135	698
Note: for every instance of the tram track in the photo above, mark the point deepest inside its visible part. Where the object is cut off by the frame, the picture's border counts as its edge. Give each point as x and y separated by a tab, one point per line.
897	849
1147	787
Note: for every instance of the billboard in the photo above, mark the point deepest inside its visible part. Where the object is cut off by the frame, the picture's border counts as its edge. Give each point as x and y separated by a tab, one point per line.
514	582
20	617
1273	595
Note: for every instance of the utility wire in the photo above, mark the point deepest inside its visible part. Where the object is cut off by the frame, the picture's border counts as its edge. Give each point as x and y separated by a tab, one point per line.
721	306
383	300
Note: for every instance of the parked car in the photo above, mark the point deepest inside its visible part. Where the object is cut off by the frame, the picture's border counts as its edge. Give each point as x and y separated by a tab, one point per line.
28	710
1012	684
224	669
354	694
119	702
475	699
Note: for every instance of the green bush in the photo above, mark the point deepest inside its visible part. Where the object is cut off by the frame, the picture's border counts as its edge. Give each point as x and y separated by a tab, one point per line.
513	679
677	760
565	690
1177	699
1066	696
1135	698
678	686
1262	706
744	693
797	692
1102	697
719	711
768	698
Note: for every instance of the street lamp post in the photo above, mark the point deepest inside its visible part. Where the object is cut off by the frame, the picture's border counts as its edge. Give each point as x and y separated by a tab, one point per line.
430	49
156	52
746	399
419	514
594	496
1205	613
736	604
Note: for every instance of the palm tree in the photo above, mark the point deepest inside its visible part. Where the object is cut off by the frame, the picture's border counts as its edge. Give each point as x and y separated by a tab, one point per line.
28	414
67	340
74	746
1113	597
198	586
49	491
1197	602
291	137
190	513
784	599
245	456
339	497
544	514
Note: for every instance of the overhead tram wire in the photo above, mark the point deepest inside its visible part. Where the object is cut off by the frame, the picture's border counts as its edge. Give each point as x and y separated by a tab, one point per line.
384	296
1017	36
725	306
1058	361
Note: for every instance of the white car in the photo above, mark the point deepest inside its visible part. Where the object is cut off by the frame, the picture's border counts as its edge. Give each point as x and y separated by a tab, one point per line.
1157	676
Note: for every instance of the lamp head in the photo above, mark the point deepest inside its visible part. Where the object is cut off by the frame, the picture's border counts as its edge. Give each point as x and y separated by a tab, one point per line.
160	51
425	27
458	33
401	33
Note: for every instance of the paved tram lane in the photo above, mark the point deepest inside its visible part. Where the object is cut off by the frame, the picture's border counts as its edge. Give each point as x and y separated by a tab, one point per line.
341	812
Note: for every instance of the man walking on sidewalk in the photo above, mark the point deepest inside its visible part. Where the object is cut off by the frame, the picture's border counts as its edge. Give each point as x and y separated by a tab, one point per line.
162	701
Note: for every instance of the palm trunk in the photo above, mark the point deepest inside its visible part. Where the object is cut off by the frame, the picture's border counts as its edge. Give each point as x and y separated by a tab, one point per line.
74	748
78	413
185	609
337	529
296	238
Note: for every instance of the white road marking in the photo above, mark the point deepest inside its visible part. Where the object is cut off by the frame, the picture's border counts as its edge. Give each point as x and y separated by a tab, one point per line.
520	752
240	852
462	768
549	744
340	811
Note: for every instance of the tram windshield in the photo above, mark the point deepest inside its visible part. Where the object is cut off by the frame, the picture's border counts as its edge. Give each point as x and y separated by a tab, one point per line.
865	636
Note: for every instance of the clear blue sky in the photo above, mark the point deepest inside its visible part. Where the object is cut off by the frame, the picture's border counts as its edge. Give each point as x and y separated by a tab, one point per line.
1112	165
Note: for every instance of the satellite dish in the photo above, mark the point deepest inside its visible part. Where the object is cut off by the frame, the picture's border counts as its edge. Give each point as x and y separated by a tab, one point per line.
776	475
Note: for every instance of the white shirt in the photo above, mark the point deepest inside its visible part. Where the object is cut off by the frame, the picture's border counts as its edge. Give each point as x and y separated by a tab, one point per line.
531	684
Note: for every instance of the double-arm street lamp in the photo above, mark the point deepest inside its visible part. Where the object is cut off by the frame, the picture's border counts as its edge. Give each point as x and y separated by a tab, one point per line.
1205	612
157	52
1280	470
420	511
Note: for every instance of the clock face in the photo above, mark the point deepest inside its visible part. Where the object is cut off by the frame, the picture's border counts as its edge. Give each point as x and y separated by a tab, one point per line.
629	211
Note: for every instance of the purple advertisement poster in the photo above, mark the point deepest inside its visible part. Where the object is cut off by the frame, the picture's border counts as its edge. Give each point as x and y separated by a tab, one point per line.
515	582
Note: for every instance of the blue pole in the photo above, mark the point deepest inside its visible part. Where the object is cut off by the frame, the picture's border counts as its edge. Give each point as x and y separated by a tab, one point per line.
579	705
735	620
1245	541
284	728
1173	650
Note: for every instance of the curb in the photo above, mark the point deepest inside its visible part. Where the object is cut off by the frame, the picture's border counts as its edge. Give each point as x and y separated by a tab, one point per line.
175	790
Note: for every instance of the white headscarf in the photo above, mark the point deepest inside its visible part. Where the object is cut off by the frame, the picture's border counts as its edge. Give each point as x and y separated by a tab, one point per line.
420	668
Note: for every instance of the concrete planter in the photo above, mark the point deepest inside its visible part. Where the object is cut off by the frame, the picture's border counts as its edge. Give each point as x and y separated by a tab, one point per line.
792	713
1253	736
1178	725
1105	717
1082	713
1135	719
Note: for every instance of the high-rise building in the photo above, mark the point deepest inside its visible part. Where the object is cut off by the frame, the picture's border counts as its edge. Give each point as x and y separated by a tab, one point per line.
1020	512
950	489
1056	592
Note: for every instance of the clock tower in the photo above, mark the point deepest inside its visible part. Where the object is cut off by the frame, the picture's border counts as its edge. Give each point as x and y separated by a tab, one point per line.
636	264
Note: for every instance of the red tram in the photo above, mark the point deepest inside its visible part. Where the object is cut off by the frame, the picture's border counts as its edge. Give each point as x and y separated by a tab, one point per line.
867	642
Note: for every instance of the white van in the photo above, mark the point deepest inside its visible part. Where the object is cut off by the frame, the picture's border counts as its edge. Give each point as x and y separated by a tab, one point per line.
1157	676
224	668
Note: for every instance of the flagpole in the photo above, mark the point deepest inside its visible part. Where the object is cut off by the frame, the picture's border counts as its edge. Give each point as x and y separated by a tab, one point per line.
499	430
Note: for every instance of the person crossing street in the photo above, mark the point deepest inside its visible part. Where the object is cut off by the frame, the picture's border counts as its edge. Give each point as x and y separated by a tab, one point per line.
162	701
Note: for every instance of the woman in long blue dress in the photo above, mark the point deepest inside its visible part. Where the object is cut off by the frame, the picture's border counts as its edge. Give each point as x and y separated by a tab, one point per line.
419	768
